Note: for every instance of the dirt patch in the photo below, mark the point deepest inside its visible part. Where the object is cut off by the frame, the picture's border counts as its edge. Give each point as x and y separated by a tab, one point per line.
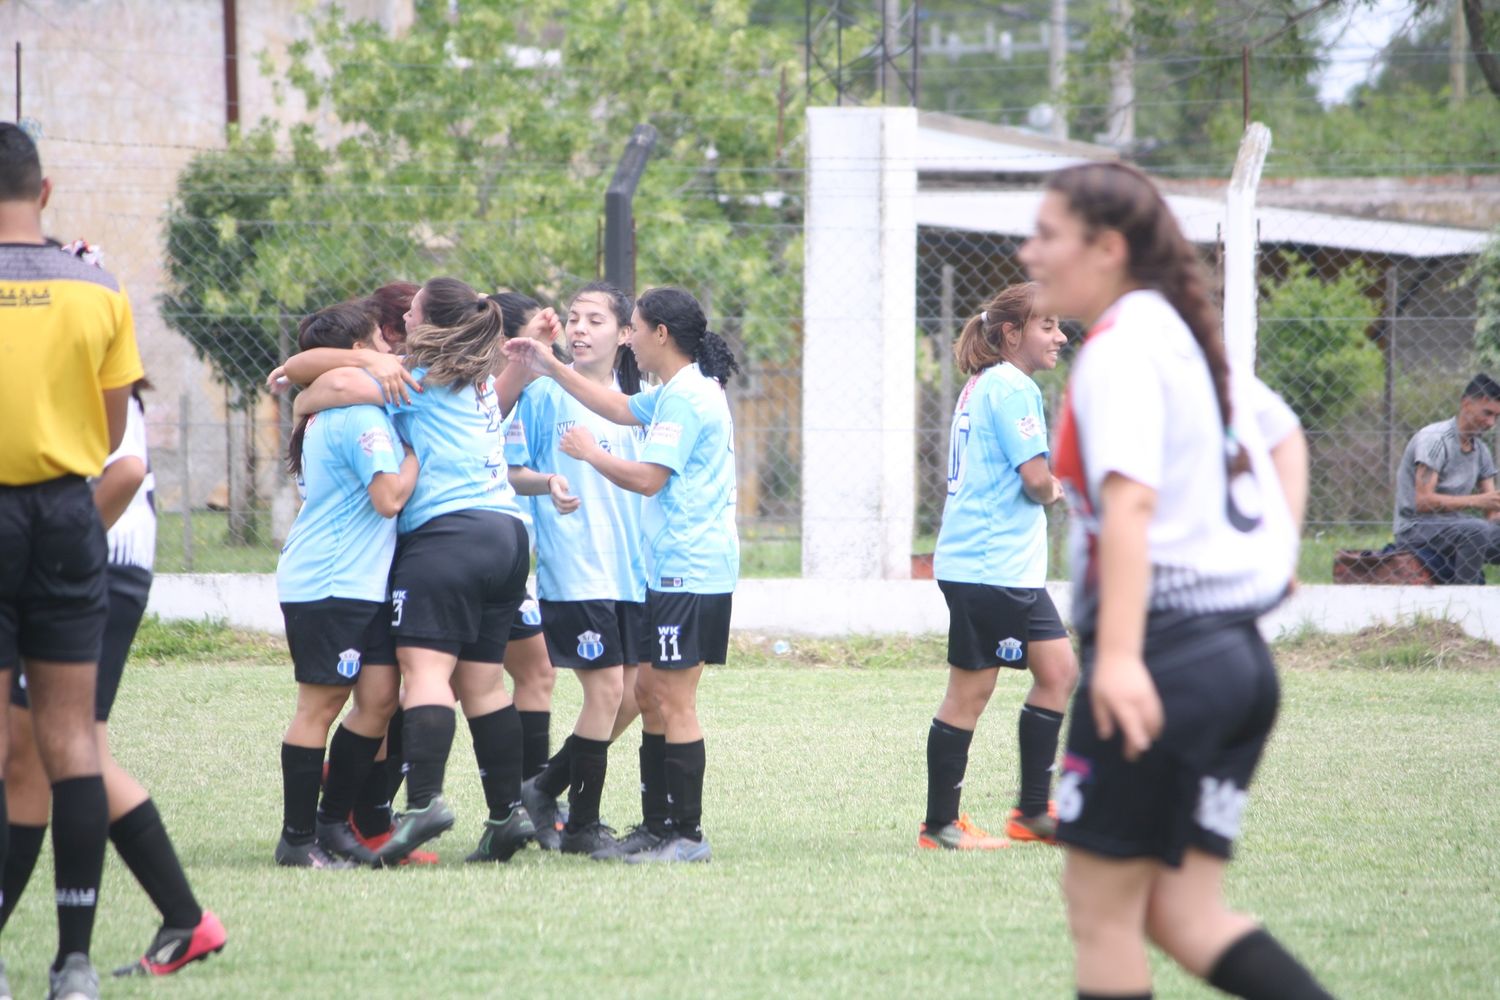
1420	644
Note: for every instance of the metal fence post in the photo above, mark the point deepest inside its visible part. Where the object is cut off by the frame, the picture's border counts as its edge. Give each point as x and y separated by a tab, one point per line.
619	215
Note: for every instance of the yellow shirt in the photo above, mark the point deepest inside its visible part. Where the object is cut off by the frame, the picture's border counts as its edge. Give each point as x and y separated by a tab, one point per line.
66	334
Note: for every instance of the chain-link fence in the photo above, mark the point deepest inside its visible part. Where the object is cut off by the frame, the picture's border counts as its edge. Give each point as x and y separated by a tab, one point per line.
1369	333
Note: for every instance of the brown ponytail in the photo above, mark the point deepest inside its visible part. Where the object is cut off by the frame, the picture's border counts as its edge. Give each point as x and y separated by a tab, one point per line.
1119	197
982	340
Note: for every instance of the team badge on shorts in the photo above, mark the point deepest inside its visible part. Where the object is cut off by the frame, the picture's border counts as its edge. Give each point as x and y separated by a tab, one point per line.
349	663
531	612
1010	650
590	646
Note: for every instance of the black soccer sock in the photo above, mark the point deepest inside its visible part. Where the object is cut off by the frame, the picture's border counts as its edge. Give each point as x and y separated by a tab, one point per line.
429	737
372	806
1114	996
654	812
497	750
536	742
590	763
395	754
144	846
80	831
947	760
349	758
301	776
1257	967
558	774
20	860
684	766
1037	734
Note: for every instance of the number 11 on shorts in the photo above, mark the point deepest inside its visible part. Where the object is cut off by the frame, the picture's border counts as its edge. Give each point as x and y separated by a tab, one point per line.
667	636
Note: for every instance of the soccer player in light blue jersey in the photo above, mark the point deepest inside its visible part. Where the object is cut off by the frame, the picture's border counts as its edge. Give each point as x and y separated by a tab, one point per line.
991	564
591	571
331	581
686	473
459	573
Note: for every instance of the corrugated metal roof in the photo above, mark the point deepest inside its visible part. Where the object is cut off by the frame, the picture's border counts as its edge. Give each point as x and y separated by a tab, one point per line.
1013	213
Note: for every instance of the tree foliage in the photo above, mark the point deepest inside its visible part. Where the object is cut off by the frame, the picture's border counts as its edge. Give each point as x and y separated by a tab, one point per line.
1484	273
1314	341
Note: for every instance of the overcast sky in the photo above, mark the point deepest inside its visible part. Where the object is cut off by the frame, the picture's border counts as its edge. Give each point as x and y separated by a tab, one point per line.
1358	37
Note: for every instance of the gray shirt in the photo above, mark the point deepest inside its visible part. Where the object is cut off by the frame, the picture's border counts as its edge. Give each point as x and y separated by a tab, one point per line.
1459	472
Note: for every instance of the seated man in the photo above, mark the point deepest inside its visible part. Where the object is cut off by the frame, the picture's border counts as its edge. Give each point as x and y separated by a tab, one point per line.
1446	499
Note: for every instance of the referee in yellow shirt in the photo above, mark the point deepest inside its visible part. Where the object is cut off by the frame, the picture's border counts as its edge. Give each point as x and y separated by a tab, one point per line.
68	358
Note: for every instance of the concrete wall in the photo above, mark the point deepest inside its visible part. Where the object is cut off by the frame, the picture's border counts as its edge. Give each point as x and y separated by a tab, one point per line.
793	607
125	92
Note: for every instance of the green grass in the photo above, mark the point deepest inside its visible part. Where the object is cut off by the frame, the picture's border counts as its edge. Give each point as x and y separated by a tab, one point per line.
1368	847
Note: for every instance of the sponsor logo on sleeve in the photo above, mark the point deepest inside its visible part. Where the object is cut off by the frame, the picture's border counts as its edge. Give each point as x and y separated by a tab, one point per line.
516	432
666	433
1028	427
374	440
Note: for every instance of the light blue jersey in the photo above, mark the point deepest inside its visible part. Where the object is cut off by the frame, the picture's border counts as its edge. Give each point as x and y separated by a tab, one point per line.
692	544
459	438
596	552
339	546
992	532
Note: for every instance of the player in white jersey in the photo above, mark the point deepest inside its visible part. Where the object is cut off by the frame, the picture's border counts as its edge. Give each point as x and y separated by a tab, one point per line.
591	574
459	573
686	472
331	582
1184	533
991	564
124	496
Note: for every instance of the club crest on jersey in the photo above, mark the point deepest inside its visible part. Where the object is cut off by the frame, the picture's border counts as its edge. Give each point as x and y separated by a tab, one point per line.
1010	650
590	645
531	612
349	663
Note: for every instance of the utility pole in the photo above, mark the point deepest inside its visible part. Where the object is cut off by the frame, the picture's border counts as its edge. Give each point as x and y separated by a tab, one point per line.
1458	56
1122	80
1057	69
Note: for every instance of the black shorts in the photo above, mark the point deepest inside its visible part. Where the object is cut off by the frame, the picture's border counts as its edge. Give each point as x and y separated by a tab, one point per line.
528	619
994	626
457	582
1219	696
332	640
53	600
686	629
128	588
590	635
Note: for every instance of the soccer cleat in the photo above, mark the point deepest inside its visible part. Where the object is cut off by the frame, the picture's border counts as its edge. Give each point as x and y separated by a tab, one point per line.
339	840
174	947
639	838
414	828
376	842
76	980
672	849
596	840
502	838
1041	828
543	810
960	835
308	855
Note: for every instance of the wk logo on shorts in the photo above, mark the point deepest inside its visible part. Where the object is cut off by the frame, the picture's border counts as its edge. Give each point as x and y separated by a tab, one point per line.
667	636
1010	650
398	604
1221	806
590	645
349	663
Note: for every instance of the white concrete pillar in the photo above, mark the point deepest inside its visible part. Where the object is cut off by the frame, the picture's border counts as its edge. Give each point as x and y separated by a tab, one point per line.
1241	243
859	344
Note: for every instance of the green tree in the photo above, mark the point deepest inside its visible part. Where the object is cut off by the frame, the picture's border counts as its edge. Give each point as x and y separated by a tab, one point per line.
1313	344
480	143
1484	273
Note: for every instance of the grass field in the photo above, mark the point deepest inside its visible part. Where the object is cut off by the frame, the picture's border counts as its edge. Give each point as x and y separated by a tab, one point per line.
1369	848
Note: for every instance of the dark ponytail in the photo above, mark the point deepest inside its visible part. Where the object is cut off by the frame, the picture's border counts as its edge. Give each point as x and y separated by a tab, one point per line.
336	326
1120	197
683	317
627	372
